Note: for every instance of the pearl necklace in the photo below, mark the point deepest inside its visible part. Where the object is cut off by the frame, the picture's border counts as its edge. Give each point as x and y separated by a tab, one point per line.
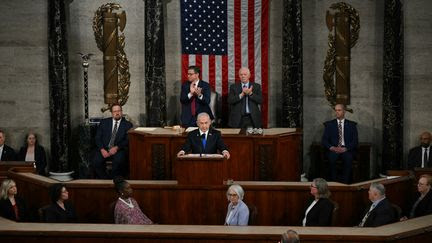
127	203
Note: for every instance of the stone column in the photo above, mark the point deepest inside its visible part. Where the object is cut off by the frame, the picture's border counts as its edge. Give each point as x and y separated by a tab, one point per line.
58	86
393	86
155	85
292	65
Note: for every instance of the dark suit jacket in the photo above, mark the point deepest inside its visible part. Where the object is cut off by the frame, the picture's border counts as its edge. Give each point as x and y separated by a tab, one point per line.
382	214
237	105
321	213
55	214
194	144
6	209
187	119
103	134
8	154
40	158
424	207
331	135
415	157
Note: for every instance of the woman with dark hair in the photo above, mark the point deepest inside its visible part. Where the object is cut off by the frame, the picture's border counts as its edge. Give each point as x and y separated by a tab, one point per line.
32	151
127	210
11	206
60	211
320	210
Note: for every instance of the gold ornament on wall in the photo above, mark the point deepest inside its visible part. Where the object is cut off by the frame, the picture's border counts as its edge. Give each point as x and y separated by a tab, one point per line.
346	23
108	29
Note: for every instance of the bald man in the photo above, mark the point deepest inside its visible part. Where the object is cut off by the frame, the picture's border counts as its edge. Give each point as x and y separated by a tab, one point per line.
420	156
244	100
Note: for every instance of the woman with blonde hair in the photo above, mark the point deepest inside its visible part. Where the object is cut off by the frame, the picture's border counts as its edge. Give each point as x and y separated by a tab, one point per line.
11	206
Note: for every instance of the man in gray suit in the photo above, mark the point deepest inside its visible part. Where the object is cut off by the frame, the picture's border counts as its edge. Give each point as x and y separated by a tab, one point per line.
244	99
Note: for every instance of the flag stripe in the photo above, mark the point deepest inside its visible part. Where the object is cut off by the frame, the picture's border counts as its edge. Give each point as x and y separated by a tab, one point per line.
237	37
251	35
257	38
264	60
231	62
211	72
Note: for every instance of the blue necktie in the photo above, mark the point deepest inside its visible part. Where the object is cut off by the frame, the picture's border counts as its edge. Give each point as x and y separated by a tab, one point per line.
203	140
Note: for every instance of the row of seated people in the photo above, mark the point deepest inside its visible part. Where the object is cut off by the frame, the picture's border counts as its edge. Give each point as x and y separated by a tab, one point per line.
319	212
30	151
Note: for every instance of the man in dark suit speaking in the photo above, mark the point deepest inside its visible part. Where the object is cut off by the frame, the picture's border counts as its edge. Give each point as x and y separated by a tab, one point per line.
340	139
204	140
112	144
194	97
420	156
244	99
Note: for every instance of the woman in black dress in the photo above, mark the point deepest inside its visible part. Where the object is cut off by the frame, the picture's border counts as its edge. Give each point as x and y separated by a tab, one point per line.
60	211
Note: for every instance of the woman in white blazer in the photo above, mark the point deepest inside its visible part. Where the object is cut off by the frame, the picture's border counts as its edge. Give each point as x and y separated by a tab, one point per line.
238	211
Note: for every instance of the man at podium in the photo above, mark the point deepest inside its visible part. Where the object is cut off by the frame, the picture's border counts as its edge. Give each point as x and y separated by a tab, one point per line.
204	140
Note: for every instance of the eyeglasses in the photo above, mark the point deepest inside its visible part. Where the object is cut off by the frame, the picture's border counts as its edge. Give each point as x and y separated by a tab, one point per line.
232	195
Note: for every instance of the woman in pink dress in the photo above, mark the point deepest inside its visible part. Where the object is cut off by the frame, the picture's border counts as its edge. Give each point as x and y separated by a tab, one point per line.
127	210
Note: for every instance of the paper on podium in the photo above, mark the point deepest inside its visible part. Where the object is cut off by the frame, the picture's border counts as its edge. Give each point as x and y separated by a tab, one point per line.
201	155
160	130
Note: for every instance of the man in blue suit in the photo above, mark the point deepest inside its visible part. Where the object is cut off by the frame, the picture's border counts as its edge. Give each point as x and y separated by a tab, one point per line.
194	97
340	139
112	144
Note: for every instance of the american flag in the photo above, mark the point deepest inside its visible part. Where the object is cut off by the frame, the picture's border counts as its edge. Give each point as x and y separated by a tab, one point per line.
221	36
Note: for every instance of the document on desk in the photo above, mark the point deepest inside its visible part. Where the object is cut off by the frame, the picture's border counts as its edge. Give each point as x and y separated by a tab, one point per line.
159	130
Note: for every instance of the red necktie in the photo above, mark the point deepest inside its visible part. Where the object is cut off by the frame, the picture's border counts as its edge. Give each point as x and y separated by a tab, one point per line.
193	106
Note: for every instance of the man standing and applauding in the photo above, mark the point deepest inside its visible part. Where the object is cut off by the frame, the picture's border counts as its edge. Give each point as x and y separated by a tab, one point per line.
194	97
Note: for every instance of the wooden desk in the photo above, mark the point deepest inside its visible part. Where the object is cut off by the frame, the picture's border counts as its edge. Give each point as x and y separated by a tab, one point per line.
6	165
274	156
195	170
166	202
413	230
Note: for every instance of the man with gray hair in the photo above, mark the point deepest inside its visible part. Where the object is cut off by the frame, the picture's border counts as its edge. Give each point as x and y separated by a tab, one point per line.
204	140
290	237
381	211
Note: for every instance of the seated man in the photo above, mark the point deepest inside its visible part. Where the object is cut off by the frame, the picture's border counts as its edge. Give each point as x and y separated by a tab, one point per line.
204	140
340	139
381	211
112	144
420	156
194	97
6	153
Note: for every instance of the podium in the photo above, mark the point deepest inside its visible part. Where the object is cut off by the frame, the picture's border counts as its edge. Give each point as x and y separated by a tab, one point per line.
276	155
196	169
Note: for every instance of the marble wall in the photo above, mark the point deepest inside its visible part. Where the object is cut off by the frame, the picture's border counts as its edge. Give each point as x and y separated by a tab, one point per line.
24	67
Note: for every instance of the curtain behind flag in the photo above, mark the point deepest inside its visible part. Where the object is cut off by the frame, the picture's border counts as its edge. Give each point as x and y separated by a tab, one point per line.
221	36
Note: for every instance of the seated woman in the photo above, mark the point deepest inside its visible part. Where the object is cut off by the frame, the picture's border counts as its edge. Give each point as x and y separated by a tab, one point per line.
32	151
423	205
320	210
127	210
60	211
238	211
11	206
